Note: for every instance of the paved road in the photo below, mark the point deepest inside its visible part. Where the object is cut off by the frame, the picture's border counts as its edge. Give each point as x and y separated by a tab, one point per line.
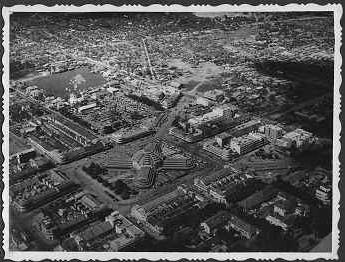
92	185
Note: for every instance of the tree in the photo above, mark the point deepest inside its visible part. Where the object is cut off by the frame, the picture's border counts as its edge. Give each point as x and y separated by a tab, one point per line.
321	223
93	169
125	193
119	187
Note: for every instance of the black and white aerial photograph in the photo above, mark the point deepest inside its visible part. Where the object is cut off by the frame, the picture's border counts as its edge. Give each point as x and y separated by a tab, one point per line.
188	132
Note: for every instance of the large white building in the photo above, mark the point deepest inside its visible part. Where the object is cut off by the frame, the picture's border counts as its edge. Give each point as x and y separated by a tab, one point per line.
222	151
221	184
127	135
324	194
299	137
214	94
247	143
87	107
218	113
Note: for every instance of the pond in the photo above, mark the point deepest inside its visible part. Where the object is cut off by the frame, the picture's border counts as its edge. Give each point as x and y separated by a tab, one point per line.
74	81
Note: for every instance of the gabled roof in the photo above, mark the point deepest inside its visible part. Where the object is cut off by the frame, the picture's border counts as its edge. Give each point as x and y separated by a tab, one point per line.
238	222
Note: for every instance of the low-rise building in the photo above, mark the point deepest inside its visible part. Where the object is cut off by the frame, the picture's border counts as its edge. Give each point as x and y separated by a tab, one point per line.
25	155
222	185
37	191
247	143
85	108
245	229
223	151
273	132
214	223
223	138
324	194
125	231
128	135
171	100
223	147
202	101
59	219
286	208
298	137
190	136
279	221
245	128
218	113
214	94
159	213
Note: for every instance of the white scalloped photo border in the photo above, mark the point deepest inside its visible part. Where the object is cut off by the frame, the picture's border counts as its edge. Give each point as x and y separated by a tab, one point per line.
36	256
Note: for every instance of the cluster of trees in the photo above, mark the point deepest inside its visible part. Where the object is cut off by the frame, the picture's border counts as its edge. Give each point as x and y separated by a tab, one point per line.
314	155
19	69
94	170
319	222
244	190
312	78
122	189
18	113
270	239
118	187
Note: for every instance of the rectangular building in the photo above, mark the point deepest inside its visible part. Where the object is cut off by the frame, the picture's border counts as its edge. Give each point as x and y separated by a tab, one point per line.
247	143
158	214
299	137
222	185
273	132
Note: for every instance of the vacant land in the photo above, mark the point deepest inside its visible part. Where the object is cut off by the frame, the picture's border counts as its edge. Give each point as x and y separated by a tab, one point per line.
16	144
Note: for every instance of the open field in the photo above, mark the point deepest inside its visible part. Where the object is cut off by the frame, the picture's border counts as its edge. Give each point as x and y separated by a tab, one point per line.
17	144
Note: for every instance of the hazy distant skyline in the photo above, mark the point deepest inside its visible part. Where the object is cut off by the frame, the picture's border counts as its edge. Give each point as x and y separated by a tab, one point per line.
215	14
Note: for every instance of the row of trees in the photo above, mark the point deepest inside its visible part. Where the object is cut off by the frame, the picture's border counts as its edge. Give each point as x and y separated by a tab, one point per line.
118	187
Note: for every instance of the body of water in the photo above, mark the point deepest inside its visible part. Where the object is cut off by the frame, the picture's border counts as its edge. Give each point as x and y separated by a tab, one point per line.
62	84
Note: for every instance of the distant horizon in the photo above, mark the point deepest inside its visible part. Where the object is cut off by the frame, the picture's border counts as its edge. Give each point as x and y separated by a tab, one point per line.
215	14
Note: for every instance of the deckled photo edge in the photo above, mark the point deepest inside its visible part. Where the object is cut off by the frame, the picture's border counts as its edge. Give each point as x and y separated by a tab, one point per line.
36	256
